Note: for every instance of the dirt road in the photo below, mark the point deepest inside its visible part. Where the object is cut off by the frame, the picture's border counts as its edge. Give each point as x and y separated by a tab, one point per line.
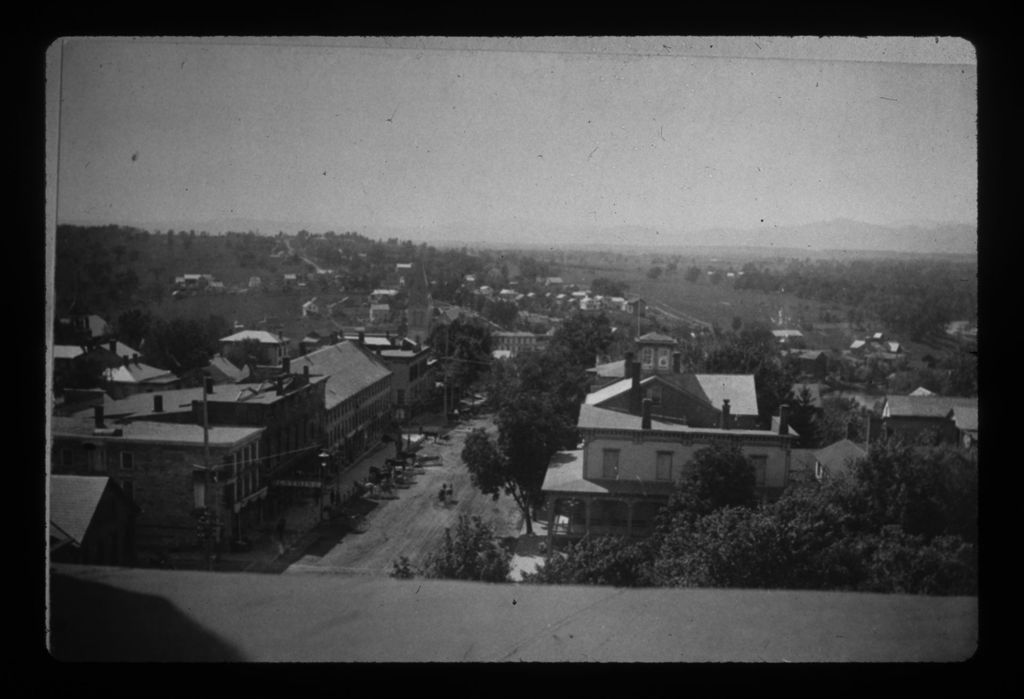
413	523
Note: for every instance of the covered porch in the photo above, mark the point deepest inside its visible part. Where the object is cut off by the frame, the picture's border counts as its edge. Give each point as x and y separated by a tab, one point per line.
577	507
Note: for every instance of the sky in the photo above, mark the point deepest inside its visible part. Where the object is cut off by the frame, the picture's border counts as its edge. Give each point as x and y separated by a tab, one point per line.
670	132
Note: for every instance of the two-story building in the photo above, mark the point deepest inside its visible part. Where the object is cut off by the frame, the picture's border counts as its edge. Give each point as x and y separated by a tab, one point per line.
270	349
519	341
629	465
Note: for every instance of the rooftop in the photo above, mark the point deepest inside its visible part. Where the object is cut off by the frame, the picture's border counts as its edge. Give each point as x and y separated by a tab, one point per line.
924	406
261	336
347	367
124	614
966	417
836	457
592	417
73	501
160	432
656	338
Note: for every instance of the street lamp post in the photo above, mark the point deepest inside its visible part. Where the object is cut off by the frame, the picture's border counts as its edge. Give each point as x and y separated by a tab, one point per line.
324	457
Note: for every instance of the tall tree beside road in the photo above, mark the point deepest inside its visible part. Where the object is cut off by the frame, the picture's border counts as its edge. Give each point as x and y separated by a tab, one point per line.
537	397
471	554
464	349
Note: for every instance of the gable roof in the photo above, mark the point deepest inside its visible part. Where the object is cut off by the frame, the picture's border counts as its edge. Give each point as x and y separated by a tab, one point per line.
611	370
347	367
738	388
922	391
924	406
594	417
67	351
656	338
610	391
138	373
261	336
227	368
836	457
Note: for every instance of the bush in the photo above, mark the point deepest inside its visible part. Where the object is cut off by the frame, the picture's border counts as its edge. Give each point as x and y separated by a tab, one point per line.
402	569
604	560
471	554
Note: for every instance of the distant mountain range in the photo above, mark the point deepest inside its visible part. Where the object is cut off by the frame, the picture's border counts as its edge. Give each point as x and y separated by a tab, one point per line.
925	237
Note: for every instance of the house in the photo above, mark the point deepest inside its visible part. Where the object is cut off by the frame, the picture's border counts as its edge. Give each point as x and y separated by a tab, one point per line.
83	327
911	417
383	295
379	312
92	521
357	399
836	459
787	336
812	364
270	349
629	465
858	347
310	308
965	417
520	341
135	377
921	391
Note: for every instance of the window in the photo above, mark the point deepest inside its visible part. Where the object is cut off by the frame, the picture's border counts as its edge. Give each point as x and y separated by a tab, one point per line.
647	356
760	463
610	463
663	359
127	460
663	470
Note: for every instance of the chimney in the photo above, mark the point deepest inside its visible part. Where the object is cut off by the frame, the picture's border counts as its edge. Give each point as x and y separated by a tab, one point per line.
305	370
627	364
208	384
783	419
634	390
726	417
112	346
279	385
645	419
286	365
677	361
97	413
362	337
158	403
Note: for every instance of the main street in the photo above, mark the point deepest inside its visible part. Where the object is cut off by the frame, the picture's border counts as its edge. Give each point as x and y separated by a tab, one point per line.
413	523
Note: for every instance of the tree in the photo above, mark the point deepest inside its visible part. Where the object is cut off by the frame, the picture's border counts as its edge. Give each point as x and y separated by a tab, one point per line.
132	326
840	419
583	337
692	274
723	476
654	272
537	396
471	554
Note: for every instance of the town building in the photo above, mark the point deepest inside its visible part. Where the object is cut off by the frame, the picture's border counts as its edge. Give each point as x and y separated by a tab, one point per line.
911	418
412	378
519	341
270	349
262	441
629	465
162	468
92	522
357	398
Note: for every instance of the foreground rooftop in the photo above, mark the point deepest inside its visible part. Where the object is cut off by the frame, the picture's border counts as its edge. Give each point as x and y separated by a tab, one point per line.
121	614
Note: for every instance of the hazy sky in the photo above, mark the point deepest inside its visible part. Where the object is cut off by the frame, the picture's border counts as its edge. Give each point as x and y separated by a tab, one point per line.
665	132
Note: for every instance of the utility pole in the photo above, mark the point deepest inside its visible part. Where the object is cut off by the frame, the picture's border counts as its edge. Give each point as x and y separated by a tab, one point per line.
206	474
